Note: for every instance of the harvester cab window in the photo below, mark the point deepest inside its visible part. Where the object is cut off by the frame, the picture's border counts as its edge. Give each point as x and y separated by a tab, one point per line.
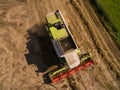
58	25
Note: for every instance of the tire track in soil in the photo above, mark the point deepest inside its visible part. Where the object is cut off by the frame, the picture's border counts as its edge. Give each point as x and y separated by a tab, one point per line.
82	7
106	38
83	41
104	45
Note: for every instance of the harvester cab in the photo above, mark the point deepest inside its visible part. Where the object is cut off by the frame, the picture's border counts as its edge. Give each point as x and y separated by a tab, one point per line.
68	53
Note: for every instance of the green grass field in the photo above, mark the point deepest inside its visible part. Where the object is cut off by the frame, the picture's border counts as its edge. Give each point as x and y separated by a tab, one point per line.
109	10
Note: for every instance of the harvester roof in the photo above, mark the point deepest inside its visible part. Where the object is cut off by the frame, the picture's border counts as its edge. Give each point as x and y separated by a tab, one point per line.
52	19
58	34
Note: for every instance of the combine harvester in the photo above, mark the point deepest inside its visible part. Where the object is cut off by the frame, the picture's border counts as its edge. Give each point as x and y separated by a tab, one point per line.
68	53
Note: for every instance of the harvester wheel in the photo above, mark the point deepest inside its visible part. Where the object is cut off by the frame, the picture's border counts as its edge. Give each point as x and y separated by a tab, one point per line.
47	79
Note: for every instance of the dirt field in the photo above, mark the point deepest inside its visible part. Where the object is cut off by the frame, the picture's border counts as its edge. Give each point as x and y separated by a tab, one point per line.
24	47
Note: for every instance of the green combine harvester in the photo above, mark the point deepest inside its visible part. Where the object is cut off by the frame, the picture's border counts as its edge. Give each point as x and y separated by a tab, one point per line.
68	53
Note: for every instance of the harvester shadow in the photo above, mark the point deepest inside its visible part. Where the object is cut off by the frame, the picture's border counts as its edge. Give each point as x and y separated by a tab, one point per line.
41	52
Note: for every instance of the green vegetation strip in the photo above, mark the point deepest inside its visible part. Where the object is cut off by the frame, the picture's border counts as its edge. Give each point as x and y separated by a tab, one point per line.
109	12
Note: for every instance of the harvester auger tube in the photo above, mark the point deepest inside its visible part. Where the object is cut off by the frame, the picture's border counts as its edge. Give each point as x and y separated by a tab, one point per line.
66	49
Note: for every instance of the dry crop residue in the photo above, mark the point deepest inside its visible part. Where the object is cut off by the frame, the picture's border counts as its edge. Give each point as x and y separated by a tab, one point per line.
22	23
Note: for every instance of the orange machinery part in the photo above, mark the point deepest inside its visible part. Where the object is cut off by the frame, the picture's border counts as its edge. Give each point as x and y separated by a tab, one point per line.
72	71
